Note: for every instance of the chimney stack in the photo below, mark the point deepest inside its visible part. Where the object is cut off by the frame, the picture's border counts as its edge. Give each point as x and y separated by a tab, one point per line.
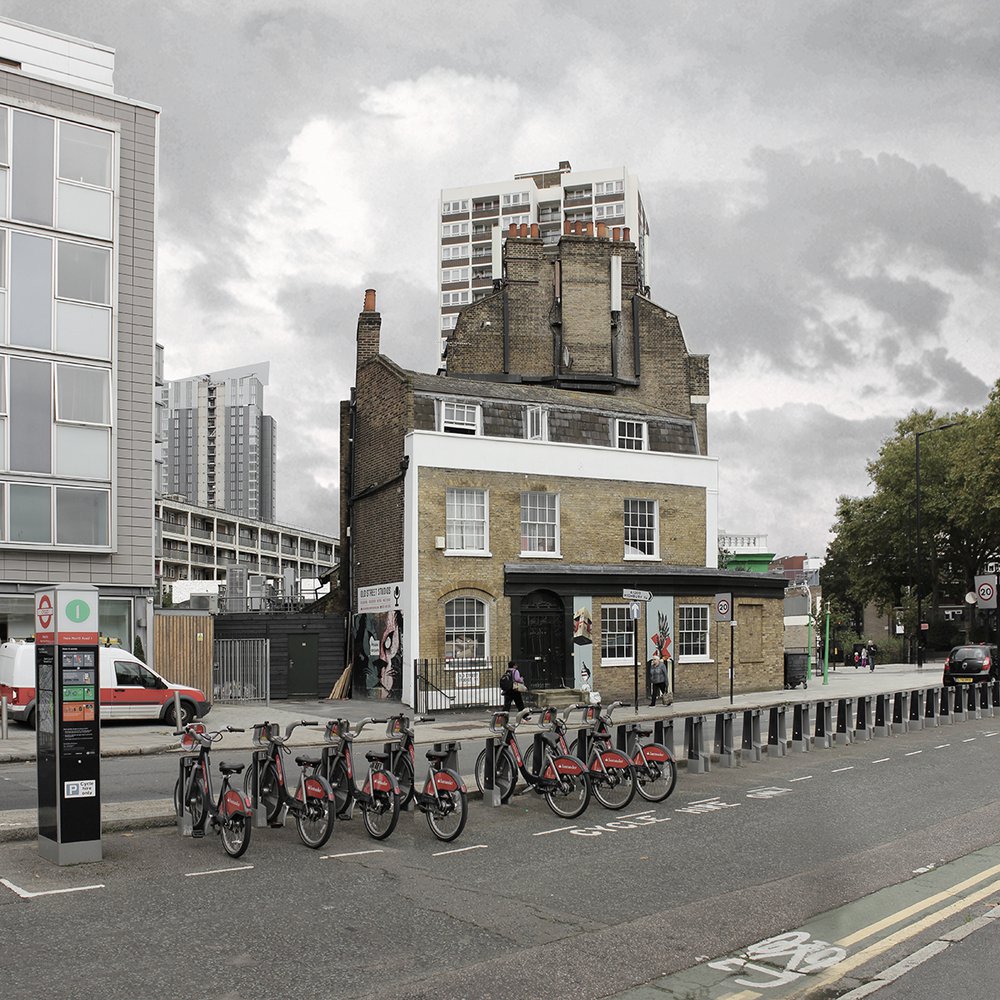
567	228
369	328
616	234
626	235
533	229
602	231
524	229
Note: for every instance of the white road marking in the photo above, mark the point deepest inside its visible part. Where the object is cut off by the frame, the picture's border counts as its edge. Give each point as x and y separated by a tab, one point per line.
839	769
941	746
881	760
912	753
698	802
350	854
25	894
805	777
971	739
926	868
558	829
460	850
989	734
633	815
218	871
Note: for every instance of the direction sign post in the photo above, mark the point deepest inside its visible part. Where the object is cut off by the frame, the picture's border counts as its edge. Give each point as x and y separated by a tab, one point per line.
637	598
724	613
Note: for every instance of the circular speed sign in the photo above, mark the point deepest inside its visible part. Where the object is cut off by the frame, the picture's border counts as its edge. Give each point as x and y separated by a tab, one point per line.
723	607
986	591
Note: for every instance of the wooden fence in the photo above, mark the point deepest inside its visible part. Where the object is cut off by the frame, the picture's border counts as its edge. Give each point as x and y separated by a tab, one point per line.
182	643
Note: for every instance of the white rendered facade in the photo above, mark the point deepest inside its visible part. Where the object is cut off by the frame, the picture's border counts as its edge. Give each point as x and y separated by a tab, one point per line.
467	216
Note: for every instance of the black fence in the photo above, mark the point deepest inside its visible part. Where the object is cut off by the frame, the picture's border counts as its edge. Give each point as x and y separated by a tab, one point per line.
466	683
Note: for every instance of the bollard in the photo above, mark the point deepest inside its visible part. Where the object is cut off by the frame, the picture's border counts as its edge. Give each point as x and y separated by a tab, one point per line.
3	717
863	723
916	719
972	703
777	737
824	724
451	748
985	701
931	702
694	739
845	727
958	705
184	822
995	688
944	706
900	714
750	744
491	794
883	727
724	739
663	733
800	727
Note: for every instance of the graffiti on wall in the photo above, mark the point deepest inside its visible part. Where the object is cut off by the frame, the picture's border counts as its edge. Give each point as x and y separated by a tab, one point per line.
583	643
378	654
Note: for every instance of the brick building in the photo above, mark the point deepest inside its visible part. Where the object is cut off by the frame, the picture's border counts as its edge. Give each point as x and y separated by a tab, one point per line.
561	458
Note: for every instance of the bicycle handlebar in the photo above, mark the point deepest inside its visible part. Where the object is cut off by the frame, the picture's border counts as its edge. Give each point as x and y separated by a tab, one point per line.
302	722
368	720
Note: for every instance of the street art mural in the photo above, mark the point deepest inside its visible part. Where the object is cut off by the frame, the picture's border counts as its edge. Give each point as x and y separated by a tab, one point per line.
378	654
583	643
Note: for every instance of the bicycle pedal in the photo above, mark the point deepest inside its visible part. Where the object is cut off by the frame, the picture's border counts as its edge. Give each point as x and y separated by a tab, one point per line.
344	815
197	833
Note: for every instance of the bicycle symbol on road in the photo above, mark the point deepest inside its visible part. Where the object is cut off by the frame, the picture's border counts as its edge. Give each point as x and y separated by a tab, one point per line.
802	954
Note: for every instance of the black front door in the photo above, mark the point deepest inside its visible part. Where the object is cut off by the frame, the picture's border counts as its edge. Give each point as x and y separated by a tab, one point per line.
303	666
542	652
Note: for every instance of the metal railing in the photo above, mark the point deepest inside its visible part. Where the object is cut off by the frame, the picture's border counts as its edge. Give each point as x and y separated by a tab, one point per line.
241	670
461	683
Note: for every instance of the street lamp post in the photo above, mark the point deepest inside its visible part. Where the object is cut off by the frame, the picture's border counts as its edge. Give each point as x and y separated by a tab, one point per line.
917	436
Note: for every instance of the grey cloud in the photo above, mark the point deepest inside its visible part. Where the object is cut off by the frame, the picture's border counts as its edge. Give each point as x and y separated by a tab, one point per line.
938	376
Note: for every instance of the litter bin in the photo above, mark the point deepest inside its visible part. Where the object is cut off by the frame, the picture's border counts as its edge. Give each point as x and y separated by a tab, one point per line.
796	670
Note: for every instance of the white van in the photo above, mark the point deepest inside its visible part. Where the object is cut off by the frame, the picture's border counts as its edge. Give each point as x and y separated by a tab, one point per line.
129	689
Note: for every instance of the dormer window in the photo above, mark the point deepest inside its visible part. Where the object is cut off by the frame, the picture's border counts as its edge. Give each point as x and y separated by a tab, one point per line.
631	435
460	418
536	423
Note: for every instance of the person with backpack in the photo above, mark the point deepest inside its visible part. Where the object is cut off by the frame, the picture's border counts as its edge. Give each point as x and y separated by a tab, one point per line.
511	686
657	679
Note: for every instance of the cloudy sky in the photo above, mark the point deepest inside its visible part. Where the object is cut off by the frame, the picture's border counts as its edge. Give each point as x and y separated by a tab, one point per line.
821	179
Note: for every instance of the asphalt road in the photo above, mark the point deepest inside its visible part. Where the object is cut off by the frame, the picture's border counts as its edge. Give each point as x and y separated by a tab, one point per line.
525	905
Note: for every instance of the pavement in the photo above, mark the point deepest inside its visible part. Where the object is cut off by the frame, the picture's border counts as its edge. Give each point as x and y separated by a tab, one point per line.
120	739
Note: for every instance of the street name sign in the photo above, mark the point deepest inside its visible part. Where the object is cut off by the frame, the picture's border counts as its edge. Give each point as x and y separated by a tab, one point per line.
637	595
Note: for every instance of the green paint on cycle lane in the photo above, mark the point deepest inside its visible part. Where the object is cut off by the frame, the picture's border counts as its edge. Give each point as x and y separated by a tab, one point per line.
838	943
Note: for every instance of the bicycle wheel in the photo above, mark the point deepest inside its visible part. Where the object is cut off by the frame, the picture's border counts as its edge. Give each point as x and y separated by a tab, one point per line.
195	803
656	772
315	824
506	772
341	782
447	814
267	788
614	787
382	813
402	768
571	796
236	830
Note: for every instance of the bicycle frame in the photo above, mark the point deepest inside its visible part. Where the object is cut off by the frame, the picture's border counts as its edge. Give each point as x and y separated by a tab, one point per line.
196	767
378	777
549	763
310	783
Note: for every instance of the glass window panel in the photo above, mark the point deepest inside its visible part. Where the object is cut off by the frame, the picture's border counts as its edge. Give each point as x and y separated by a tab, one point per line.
3	136
3	384
81	516
83	329
3	443
30	291
84	210
115	619
83	394
3	316
82	452
3	193
84	154
30	415
33	167
30	513
84	273
3	258
3	533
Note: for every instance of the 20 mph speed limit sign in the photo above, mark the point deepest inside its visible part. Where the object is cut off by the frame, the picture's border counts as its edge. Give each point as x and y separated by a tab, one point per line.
986	591
723	607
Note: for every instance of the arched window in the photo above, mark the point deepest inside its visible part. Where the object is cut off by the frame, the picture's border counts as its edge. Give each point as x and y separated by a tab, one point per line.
465	629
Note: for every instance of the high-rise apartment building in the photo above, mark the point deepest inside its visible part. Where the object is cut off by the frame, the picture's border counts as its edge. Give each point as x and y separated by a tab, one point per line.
77	237
220	445
548	198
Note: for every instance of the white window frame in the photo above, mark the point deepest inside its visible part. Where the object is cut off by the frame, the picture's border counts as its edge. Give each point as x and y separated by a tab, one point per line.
481	612
449	229
459	297
536	423
453	207
455	251
632	531
551	520
467	495
625	431
620	616
684	611
450	275
460	417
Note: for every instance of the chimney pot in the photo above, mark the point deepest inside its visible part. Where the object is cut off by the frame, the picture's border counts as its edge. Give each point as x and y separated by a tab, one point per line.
602	231
524	229
512	231
567	228
616	233
590	229
534	230
577	228
370	300
626	235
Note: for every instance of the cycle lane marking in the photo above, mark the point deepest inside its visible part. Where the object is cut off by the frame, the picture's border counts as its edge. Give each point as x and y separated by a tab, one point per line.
27	894
351	854
837	770
219	871
460	850
558	829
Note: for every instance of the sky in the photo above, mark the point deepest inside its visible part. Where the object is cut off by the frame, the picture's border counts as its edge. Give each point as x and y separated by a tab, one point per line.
821	180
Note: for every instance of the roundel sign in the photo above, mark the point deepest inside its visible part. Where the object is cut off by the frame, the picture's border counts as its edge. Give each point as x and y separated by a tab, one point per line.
723	607
986	591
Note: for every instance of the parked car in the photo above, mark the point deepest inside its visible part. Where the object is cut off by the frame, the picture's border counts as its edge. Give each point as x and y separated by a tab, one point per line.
967	664
129	689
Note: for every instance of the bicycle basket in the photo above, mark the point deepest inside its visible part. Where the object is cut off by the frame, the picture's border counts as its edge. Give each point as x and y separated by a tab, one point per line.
499	722
548	717
395	726
591	713
188	741
336	728
264	732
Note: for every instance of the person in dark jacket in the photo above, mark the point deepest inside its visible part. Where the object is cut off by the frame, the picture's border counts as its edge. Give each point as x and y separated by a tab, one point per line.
657	679
512	685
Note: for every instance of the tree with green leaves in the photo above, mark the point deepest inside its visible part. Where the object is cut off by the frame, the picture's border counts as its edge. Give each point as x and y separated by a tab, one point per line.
873	556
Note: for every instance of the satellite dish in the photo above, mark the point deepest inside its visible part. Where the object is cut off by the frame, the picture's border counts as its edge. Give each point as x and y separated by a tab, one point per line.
970	597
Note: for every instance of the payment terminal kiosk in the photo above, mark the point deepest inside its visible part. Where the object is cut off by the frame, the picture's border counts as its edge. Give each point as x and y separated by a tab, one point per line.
68	723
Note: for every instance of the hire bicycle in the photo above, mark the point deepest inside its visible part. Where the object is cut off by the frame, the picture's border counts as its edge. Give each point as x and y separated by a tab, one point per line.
378	795
561	778
311	803
230	815
444	799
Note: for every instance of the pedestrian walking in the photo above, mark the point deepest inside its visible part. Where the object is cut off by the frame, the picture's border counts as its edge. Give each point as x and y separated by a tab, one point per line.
871	657
657	679
857	659
512	686
864	657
